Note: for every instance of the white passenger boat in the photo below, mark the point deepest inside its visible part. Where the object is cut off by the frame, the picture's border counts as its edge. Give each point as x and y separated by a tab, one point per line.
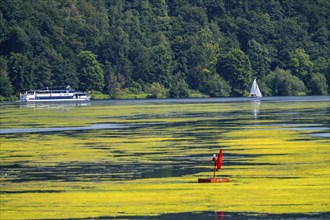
52	95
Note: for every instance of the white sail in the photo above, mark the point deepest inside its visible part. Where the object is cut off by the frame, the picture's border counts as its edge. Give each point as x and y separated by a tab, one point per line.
255	91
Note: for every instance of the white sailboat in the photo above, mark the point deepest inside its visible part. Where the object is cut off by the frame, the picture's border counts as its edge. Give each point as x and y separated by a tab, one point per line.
255	91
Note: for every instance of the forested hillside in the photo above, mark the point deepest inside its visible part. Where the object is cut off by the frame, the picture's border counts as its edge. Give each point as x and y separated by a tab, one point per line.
166	48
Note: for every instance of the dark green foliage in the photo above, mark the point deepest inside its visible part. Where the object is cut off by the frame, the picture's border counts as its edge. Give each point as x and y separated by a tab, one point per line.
216	87
213	46
318	84
161	63
235	67
260	59
322	65
209	83
156	90
300	64
179	89
6	89
20	72
113	83
65	73
91	75
283	83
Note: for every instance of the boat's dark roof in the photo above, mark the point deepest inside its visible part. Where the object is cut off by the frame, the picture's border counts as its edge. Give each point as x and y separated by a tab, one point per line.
52	90
58	89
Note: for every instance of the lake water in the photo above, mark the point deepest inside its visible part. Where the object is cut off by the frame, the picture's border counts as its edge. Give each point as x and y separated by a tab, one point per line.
60	151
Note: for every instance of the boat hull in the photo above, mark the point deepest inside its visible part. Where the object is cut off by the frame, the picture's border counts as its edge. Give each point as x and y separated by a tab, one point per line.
57	100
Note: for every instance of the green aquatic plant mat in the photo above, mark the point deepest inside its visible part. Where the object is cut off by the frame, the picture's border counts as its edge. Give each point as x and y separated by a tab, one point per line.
151	169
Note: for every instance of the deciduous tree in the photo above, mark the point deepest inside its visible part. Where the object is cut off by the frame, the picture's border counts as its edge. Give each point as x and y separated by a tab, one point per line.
90	72
235	67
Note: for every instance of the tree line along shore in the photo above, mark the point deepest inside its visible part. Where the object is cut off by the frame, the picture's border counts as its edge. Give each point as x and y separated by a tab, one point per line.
165	48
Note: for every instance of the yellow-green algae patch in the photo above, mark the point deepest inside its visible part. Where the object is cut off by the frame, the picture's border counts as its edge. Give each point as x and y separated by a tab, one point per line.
276	170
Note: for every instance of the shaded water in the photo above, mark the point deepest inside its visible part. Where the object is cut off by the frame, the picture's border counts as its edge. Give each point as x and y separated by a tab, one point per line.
127	140
226	216
60	129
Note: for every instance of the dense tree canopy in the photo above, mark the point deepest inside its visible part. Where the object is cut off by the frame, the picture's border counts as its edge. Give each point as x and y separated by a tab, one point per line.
167	48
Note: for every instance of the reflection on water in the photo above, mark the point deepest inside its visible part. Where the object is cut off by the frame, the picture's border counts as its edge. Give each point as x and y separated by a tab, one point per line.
52	105
255	108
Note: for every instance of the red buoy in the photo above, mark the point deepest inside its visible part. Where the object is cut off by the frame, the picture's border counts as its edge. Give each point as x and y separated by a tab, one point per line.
217	166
